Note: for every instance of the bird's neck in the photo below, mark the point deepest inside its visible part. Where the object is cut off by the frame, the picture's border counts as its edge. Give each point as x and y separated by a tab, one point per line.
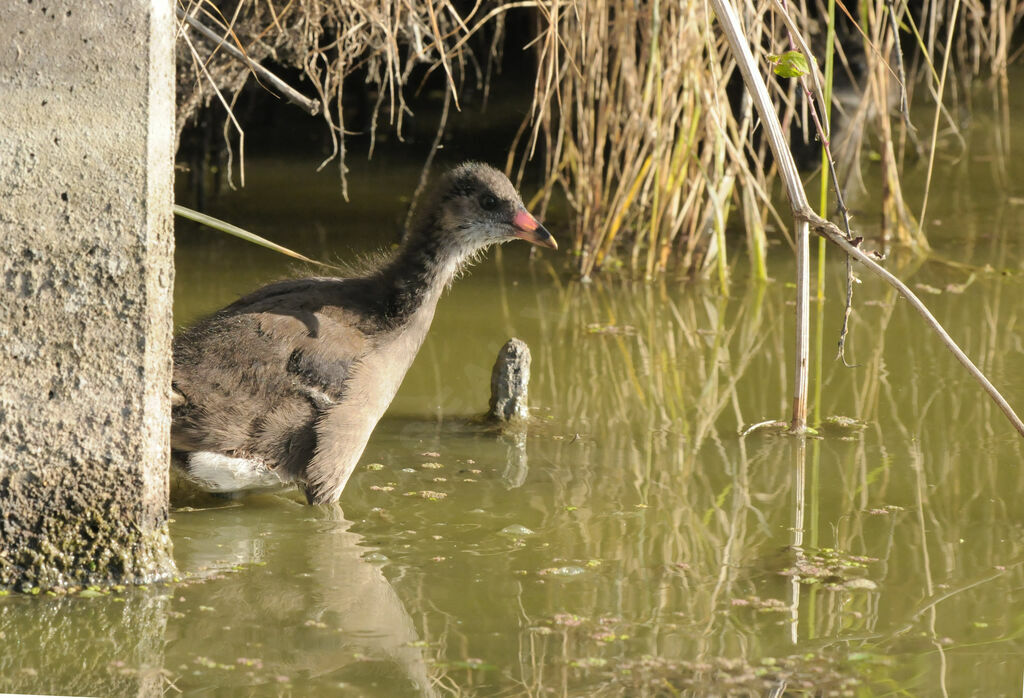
416	277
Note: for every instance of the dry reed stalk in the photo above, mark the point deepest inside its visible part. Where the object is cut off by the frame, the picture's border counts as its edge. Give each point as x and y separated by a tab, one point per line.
622	106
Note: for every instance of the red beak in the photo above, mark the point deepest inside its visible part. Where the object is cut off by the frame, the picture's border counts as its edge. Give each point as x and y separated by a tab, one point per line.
527	228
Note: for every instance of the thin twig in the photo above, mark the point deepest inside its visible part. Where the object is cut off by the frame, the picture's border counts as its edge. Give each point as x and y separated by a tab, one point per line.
938	108
894	26
452	87
227	107
434	147
311	106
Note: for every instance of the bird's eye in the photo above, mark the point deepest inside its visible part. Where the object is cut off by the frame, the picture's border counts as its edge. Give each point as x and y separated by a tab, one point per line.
488	202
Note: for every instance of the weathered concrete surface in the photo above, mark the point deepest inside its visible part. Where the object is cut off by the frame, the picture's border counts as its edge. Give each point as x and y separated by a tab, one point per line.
510	380
86	134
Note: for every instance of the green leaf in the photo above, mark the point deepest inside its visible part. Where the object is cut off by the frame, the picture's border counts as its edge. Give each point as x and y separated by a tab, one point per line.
791	64
226	227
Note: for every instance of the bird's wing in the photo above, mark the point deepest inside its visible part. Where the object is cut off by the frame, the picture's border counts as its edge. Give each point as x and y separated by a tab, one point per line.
293	341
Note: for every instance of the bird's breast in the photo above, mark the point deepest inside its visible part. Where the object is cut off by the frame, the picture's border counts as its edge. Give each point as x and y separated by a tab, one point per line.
380	373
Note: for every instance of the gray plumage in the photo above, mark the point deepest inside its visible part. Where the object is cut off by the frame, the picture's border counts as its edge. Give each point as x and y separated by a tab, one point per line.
286	384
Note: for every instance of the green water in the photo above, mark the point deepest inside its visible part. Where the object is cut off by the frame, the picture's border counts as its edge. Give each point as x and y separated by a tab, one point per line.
632	542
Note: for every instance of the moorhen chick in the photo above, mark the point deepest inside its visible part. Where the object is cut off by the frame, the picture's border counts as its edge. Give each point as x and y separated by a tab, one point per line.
286	384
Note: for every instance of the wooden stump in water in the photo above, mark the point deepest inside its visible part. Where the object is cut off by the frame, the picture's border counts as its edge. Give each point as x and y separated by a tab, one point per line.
510	380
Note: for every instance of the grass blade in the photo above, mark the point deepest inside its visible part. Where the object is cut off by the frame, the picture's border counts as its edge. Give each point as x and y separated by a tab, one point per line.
255	239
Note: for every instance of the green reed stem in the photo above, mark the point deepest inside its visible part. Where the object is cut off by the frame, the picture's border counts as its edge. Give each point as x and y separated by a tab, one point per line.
819	338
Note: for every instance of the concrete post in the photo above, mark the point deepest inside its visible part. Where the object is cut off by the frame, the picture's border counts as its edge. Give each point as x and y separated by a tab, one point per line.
86	257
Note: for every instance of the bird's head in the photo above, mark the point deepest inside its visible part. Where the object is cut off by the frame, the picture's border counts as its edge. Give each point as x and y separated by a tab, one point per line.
475	206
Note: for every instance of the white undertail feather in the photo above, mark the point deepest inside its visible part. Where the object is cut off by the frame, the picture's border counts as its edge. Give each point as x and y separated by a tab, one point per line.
216	472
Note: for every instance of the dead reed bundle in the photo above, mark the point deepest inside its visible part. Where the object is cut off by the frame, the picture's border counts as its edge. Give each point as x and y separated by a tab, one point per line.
631	116
631	108
328	40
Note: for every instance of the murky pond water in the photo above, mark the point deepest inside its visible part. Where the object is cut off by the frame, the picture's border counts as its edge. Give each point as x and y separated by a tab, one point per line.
631	542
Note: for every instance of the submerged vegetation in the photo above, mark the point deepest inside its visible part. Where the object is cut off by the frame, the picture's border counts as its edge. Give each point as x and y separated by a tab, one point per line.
637	118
